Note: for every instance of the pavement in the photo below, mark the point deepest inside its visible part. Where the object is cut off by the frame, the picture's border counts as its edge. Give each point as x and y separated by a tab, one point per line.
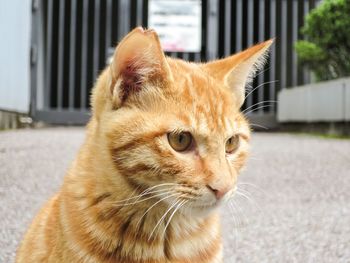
294	204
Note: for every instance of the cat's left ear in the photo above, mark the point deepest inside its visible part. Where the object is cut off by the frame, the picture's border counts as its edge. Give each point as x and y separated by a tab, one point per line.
239	69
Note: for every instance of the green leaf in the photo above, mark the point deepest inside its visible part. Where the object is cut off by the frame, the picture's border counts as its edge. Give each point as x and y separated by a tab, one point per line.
327	49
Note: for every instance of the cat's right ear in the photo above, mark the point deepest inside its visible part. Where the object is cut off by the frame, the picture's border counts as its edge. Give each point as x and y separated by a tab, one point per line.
239	69
137	60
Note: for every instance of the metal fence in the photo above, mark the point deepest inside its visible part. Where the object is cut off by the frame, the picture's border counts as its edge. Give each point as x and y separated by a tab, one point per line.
71	40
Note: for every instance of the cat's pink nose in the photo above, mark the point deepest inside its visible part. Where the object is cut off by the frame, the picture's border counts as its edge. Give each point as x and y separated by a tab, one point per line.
219	193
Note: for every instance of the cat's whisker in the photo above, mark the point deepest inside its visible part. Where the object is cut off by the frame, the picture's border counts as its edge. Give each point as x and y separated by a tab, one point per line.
153	192
250	200
241	190
239	212
156	191
235	223
230	198
147	191
260	85
261	72
163	217
255	109
246	194
162	199
267	195
135	198
259	126
159	185
131	195
234	213
236	216
249	196
142	200
254	186
182	203
258	103
255	158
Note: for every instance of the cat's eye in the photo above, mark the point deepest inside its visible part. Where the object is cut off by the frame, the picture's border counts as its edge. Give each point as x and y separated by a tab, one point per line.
232	144
180	141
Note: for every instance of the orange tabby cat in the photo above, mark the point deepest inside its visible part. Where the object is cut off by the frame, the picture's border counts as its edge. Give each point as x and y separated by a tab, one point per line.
163	150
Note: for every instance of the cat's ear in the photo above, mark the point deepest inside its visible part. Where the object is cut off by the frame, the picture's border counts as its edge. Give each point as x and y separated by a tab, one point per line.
137	60
239	69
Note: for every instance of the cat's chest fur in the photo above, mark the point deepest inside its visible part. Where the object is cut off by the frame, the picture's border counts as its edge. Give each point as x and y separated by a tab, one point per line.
105	234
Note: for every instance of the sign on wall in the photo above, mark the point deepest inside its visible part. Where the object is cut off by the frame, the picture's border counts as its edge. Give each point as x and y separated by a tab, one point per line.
178	24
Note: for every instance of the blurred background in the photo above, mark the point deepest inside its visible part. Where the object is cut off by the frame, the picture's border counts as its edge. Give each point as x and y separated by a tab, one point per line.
294	201
52	52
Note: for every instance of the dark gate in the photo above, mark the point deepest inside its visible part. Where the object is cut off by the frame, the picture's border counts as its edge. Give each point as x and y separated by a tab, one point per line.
72	39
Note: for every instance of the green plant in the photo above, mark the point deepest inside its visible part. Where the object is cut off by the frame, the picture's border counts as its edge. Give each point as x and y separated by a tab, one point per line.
326	50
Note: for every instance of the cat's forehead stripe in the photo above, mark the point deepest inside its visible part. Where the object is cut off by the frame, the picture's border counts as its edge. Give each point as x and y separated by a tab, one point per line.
205	101
216	111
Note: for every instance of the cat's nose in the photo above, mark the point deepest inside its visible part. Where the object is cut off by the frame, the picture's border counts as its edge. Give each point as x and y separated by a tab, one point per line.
219	192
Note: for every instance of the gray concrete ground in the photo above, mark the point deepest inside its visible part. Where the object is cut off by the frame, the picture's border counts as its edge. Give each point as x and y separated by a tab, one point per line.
298	189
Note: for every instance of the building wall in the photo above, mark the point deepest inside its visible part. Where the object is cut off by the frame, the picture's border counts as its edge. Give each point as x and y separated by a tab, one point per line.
15	29
75	38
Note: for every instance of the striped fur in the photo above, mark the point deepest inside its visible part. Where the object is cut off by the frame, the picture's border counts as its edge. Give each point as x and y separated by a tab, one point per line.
96	216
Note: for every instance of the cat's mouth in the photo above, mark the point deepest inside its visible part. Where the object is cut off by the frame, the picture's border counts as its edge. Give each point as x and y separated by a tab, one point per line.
201	206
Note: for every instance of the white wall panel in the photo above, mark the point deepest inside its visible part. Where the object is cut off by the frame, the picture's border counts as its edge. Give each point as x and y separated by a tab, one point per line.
15	25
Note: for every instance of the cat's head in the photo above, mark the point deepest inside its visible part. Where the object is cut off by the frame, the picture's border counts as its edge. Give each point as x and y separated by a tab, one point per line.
174	127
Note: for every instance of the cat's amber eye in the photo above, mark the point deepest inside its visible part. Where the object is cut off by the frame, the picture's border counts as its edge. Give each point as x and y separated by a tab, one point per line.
180	141
232	144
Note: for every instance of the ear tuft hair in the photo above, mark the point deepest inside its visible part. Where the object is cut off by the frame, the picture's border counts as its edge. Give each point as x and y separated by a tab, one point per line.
246	71
239	70
256	67
134	75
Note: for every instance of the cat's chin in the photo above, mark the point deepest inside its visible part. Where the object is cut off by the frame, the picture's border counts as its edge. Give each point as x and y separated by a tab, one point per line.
202	210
